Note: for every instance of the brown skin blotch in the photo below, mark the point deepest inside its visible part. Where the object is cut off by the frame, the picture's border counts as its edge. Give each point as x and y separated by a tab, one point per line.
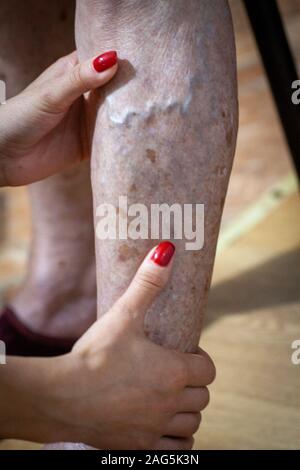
150	119
132	188
127	252
151	155
166	183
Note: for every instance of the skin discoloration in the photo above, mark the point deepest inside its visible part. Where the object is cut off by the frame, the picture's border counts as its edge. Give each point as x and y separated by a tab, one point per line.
132	188
167	183
151	155
126	252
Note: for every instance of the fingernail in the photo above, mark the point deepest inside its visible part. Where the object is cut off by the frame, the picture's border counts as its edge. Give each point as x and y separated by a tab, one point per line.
163	253
105	61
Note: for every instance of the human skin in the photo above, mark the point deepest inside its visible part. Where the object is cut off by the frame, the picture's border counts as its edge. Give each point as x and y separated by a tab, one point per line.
44	119
163	131
77	397
116	343
57	298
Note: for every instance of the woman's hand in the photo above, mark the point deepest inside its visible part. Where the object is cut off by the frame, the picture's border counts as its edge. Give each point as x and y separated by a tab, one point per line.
42	130
125	392
116	389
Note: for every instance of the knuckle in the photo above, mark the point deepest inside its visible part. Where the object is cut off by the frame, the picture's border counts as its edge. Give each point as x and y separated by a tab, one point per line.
77	79
205	398
195	422
149	281
191	424
61	63
204	369
211	372
48	103
184	444
170	404
188	444
179	375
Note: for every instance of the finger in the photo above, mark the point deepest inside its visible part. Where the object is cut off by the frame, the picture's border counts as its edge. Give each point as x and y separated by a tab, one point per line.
193	399
61	91
151	277
201	370
183	425
167	443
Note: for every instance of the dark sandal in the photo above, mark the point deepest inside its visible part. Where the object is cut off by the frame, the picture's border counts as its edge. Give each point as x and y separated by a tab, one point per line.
21	341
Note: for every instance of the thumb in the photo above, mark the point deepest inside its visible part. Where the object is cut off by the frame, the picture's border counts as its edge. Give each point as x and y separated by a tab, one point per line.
151	277
62	91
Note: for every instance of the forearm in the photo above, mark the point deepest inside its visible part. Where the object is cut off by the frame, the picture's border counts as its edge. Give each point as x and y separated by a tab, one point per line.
28	400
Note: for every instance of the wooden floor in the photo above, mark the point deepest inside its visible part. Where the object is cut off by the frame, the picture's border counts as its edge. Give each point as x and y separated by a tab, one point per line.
254	308
253	317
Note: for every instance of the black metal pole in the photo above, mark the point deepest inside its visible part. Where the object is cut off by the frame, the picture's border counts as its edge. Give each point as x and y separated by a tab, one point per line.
280	67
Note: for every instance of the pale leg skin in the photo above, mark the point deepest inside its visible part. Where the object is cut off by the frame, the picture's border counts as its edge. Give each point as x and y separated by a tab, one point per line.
58	297
163	131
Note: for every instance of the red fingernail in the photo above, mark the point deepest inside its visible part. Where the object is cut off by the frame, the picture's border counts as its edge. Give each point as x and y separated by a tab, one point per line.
105	61
163	253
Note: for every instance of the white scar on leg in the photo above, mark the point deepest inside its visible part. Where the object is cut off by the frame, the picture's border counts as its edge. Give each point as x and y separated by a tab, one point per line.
122	109
127	114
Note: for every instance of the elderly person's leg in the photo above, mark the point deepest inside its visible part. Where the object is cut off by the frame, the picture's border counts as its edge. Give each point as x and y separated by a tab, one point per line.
58	297
165	133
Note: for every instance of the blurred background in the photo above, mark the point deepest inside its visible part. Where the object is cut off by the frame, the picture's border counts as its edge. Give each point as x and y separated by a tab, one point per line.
254	308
